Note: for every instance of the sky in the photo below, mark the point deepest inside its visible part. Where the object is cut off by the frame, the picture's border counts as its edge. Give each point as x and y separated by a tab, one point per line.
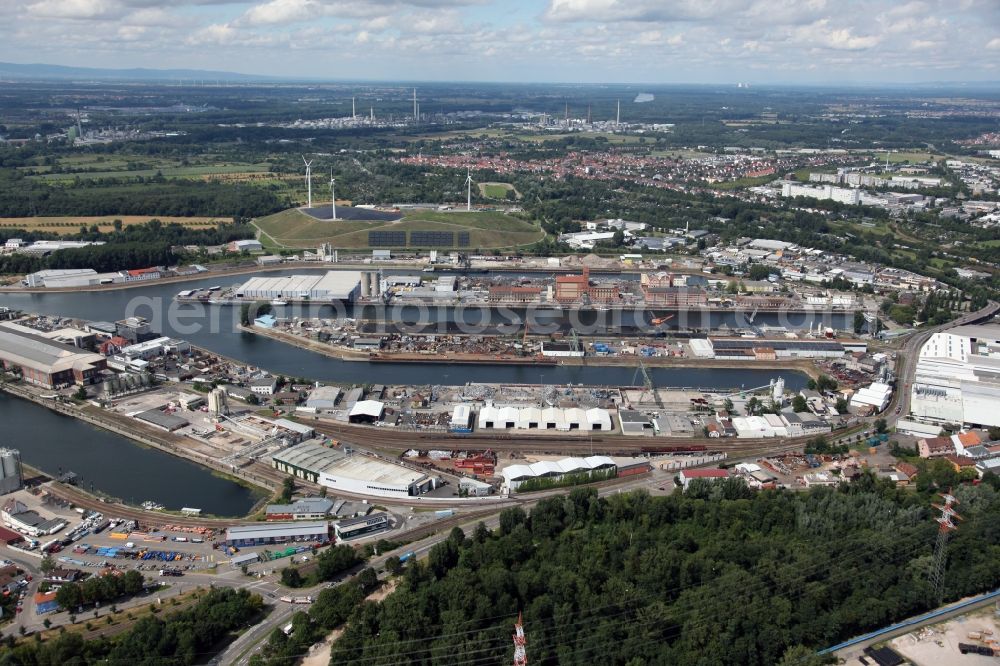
587	41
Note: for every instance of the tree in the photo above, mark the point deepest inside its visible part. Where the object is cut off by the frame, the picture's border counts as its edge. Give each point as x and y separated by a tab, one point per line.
80	393
881	426
393	565
47	565
799	404
287	489
859	321
841	405
290	577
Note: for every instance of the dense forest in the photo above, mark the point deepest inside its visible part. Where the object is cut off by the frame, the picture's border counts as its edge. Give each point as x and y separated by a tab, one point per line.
716	576
21	196
183	637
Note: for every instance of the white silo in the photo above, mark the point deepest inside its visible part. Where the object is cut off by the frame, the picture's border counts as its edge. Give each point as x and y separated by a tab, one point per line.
778	389
10	471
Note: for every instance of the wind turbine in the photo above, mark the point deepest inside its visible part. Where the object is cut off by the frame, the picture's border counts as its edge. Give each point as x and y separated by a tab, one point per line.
332	197
309	181
468	185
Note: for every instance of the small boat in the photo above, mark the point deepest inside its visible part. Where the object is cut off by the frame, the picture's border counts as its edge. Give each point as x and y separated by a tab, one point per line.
278	301
149	505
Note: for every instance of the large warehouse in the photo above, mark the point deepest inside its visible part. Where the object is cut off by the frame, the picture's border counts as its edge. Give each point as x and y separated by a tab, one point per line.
957	378
352	473
275	533
515	475
48	363
749	349
550	418
332	286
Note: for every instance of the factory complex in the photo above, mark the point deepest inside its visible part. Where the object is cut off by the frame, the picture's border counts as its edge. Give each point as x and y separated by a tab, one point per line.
45	361
957	378
354	473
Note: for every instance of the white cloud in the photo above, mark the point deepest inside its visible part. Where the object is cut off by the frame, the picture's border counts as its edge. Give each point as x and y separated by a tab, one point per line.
282	11
993	44
74	9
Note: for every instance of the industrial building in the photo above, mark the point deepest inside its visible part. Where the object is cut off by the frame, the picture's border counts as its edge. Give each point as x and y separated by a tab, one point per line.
11	474
352	472
353	528
957	377
712	475
322	398
515	475
331	286
17	516
876	396
549	418
276	533
48	363
311	508
750	349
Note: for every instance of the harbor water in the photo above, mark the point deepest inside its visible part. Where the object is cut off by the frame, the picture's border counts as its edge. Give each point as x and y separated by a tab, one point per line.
118	467
114	465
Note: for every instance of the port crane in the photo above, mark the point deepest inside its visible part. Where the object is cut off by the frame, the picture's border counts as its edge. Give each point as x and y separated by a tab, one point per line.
647	381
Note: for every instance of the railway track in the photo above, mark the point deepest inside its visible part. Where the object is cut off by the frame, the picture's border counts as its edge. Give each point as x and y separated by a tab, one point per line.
389	440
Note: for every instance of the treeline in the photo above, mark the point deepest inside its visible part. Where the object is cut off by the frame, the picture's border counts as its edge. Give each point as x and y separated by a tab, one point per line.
329	564
21	196
102	258
98	589
184	637
135	246
718	575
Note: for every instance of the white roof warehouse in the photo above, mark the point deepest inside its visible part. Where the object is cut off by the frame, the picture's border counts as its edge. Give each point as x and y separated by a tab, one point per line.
352	473
332	286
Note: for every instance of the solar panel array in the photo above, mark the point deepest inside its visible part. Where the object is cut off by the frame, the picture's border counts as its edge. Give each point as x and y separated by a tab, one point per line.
387	238
419	239
432	238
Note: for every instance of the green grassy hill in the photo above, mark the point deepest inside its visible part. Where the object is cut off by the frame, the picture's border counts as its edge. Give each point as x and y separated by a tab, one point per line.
487	230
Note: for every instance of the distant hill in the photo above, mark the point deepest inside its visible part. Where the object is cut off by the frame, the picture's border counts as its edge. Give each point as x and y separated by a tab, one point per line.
38	71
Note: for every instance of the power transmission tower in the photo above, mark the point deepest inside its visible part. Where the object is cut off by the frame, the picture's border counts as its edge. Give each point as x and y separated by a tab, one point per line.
946	525
520	656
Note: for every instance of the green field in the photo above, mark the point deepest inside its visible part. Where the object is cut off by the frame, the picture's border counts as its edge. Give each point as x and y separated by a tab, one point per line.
496	190
293	229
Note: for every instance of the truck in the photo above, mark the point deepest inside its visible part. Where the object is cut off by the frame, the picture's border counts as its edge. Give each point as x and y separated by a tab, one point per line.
171	572
296	600
405	557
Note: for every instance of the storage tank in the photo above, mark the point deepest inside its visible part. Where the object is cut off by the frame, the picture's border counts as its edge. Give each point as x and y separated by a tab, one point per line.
10	471
109	387
366	285
144	379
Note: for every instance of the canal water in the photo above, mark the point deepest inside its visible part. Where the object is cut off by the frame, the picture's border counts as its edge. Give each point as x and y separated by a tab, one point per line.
120	468
214	328
114	465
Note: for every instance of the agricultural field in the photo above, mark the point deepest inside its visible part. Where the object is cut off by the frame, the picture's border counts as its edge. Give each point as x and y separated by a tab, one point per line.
208	171
488	230
70	224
